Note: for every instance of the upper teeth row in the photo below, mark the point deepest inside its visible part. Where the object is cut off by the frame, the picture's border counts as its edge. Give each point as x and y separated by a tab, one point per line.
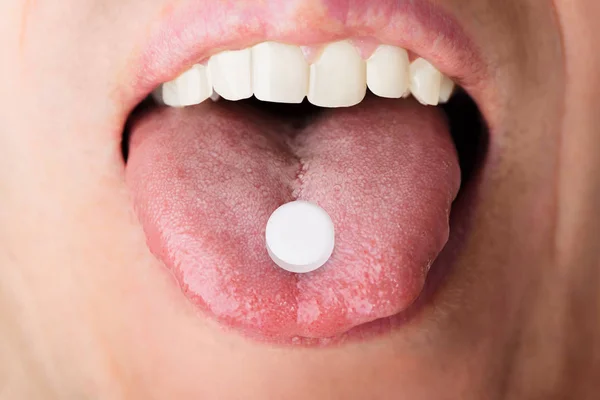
279	72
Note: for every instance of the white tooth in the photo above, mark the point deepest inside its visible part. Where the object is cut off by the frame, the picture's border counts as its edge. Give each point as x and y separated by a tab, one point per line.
280	73
387	72
215	97
231	73
446	89
191	87
425	81
338	78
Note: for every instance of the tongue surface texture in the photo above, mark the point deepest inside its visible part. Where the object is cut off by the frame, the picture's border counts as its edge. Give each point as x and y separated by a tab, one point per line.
206	179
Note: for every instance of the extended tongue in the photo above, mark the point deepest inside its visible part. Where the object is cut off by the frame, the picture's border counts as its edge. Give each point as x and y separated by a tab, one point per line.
206	179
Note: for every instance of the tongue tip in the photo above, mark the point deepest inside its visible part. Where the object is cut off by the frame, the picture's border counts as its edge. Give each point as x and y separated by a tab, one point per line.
319	335
307	325
304	323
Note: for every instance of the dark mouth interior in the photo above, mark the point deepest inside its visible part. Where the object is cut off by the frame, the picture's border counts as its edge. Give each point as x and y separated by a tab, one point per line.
469	133
467	126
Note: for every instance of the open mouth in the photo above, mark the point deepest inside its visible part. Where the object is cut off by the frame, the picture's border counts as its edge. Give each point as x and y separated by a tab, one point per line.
372	132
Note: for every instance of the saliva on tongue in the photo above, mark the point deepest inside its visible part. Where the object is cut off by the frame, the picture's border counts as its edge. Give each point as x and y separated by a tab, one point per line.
206	179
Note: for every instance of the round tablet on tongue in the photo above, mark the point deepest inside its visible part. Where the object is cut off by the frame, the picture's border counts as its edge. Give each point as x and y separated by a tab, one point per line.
300	237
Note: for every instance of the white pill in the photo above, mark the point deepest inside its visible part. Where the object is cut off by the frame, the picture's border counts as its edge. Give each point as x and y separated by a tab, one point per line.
300	237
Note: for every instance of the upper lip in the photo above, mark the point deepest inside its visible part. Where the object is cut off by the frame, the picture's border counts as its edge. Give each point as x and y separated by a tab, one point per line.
194	30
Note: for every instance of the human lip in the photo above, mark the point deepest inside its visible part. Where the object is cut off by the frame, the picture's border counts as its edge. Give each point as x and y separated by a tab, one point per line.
193	31
186	35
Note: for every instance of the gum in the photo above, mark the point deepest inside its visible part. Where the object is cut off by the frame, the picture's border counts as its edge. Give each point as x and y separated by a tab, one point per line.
365	46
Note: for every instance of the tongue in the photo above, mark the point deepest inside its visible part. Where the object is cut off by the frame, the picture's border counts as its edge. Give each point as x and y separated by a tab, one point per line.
206	179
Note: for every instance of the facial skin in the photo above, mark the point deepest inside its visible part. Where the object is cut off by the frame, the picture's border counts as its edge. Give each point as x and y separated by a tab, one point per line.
88	312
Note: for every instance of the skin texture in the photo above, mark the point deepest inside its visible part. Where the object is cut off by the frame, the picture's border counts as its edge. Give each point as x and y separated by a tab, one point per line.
87	312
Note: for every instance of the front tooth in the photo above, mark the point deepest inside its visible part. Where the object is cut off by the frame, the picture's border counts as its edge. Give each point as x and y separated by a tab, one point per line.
338	78
446	89
191	87
387	72
280	73
425	81
231	73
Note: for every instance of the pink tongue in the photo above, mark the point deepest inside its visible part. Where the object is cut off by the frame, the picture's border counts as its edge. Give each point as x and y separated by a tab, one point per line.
206	179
